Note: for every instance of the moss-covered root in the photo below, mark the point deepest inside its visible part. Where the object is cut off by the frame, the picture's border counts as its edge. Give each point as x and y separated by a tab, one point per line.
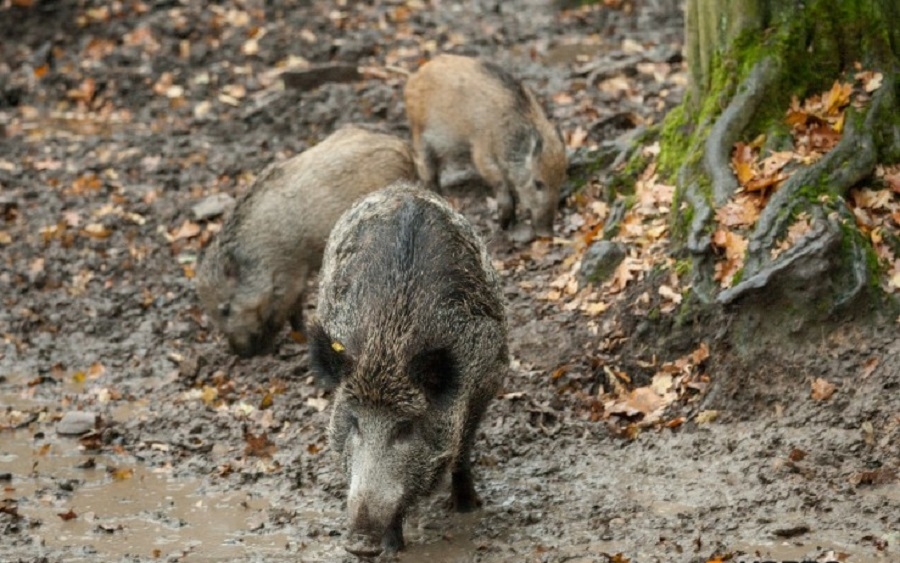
829	250
870	135
731	124
712	183
852	160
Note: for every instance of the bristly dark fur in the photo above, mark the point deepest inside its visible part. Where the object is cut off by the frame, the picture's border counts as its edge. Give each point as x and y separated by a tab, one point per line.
511	83
436	372
425	268
408	287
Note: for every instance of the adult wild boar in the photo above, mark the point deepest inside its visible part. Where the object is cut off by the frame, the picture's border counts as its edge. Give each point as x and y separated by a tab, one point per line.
411	329
252	277
460	107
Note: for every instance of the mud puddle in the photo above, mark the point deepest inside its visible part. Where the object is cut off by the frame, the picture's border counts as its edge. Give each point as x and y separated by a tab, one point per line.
112	506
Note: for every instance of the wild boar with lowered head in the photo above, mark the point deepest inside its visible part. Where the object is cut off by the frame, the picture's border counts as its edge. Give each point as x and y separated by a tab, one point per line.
411	328
460	107
251	278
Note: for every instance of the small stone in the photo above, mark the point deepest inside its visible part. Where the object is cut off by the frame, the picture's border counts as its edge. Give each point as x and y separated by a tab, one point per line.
212	206
601	260
75	423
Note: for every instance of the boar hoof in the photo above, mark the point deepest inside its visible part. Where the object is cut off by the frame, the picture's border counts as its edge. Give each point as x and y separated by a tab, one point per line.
463	497
463	503
296	320
364	546
522	234
392	542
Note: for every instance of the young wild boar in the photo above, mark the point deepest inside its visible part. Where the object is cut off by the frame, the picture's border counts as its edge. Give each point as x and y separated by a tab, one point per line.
412	329
252	277
460	107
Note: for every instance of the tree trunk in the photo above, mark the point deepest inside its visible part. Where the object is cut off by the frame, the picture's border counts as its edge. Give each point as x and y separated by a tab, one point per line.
746	60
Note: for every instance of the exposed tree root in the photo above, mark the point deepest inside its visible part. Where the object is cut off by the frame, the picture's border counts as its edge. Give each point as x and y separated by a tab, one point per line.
729	126
726	130
852	160
826	260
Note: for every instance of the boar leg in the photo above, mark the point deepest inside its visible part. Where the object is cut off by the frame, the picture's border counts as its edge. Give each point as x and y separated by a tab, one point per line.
493	175
462	483
506	206
392	540
296	317
428	165
464	498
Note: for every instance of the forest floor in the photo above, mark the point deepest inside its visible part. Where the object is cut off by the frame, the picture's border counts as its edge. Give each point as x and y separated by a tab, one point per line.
118	117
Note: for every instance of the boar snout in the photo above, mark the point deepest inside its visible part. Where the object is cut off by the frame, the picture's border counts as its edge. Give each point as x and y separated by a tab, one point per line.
249	348
373	532
543	224
374	513
362	545
256	343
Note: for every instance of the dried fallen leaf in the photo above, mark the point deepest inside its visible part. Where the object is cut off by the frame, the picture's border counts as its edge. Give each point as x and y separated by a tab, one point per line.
700	354
735	247
96	230
706	417
837	97
675	422
742	211
209	395
742	161
869	366
258	446
644	400
822	390
70	515
188	229
122	473
661	383
318	403
85	184
871	80
668	293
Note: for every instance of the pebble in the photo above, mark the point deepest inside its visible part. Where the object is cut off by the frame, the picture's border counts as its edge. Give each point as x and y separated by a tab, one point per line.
601	260
212	206
75	423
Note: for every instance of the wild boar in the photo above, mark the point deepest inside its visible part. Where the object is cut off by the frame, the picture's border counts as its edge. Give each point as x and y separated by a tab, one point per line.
252	277
411	329
462	108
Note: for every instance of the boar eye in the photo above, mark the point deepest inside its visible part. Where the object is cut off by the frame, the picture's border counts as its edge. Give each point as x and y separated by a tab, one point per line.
225	309
354	423
539	186
403	432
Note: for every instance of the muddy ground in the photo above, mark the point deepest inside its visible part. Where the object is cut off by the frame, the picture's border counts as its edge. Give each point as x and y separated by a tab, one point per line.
118	117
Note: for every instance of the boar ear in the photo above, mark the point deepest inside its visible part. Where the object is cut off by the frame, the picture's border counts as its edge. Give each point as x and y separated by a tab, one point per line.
435	371
327	358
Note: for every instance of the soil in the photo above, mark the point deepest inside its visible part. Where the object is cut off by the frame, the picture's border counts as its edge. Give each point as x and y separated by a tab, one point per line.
201	456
